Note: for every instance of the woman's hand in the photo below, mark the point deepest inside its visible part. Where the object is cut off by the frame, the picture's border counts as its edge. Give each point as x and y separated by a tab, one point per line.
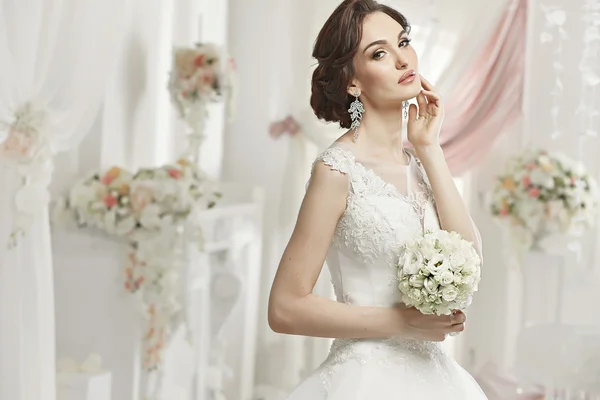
432	328
424	124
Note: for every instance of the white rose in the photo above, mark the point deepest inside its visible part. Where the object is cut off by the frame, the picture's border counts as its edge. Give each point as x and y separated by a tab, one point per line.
427	247
436	265
125	226
430	286
150	217
469	280
416	281
404	286
432	298
411	263
470	267
443	309
449	293
457	260
426	308
447	277
80	196
415	295
458	278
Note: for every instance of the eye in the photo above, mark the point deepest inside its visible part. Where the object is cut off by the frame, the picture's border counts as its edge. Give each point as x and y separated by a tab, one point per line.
404	42
378	54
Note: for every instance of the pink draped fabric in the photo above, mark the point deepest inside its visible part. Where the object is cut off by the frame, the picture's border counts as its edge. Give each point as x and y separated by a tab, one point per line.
489	96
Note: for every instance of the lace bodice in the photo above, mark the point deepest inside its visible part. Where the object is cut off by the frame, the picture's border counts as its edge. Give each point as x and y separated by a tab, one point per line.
387	205
380	217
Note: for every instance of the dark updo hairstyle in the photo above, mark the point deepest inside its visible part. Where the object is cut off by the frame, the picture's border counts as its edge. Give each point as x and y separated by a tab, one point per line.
334	49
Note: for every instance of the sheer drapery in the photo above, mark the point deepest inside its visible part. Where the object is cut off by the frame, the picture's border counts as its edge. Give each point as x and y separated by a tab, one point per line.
488	97
56	56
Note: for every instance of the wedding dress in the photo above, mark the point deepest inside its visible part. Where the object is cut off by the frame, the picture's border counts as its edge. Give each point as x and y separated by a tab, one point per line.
386	206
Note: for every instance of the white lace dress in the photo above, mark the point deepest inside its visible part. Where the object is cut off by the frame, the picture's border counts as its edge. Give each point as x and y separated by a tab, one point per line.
384	210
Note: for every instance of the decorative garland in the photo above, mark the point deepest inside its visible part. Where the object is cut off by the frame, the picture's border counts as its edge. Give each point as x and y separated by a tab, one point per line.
150	210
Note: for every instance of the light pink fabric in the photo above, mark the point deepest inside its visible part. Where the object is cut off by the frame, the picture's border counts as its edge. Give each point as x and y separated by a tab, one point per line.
488	97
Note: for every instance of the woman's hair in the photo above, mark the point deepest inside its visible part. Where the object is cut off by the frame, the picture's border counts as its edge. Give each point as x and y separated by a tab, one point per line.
334	49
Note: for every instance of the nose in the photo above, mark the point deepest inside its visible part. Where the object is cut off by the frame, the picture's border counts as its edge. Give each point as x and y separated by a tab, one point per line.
401	60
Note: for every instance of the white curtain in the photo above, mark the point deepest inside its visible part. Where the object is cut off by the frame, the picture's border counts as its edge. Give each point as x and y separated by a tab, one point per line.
447	36
55	57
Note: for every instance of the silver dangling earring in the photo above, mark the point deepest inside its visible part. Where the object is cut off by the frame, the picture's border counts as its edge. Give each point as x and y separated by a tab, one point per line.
405	105
356	111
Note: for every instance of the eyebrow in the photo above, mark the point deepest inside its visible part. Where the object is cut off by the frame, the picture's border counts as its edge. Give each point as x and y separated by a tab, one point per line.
382	41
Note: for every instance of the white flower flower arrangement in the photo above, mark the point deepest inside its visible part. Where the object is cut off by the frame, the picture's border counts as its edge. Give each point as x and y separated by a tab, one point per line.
24	147
539	194
149	209
438	273
200	75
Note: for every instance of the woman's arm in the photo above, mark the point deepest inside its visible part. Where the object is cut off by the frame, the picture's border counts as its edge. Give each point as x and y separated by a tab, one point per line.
424	125
294	309
451	209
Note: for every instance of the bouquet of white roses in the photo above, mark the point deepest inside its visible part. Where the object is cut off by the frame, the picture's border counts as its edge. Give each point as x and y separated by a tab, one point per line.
438	273
539	194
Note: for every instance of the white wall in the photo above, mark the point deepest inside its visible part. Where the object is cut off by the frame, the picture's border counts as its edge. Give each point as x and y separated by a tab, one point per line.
259	41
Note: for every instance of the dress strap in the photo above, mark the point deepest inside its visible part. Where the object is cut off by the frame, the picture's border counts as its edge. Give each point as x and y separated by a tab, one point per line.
338	159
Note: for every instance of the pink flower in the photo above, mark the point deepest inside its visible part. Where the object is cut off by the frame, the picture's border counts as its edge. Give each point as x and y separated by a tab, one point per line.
534	192
19	146
199	61
504	211
205	81
111	175
140	197
526	181
110	200
530	166
175	173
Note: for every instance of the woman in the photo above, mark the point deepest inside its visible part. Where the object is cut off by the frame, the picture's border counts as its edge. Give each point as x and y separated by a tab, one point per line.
366	197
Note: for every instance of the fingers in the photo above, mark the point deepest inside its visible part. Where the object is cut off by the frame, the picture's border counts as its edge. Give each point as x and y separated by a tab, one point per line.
412	113
426	85
457	317
432	97
422	102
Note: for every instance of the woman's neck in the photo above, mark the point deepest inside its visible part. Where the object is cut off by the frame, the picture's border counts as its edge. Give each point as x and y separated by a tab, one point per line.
382	133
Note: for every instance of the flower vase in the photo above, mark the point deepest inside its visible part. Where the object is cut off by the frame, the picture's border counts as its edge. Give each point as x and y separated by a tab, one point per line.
196	117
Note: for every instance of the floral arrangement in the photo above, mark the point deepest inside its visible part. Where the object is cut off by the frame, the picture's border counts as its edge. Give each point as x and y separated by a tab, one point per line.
24	147
199	76
150	209
539	194
438	272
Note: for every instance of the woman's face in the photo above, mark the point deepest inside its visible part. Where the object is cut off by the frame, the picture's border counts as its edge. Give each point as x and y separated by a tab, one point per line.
385	64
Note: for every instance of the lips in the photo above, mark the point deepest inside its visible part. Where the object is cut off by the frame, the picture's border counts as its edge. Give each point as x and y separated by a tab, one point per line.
408	76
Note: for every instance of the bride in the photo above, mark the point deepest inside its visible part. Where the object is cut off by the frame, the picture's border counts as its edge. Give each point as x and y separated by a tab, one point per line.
366	197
